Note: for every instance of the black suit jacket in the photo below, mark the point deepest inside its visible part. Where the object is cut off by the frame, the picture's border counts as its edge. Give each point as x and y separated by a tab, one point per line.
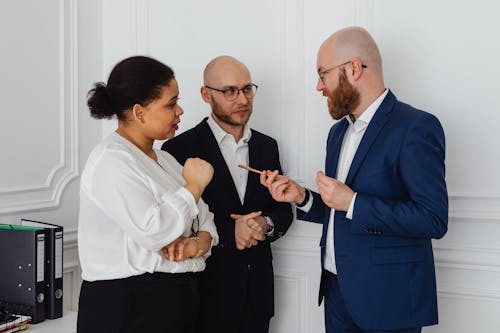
234	277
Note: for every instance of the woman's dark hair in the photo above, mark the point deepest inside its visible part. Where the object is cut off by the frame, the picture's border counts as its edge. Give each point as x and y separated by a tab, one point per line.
135	80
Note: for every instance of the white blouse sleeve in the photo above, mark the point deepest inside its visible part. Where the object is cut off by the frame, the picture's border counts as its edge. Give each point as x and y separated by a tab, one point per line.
206	218
207	224
127	196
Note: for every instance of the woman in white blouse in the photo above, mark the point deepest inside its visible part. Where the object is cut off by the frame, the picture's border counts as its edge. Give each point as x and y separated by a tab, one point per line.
143	227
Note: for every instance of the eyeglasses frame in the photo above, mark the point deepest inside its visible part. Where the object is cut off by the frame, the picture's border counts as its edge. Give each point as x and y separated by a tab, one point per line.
326	71
223	91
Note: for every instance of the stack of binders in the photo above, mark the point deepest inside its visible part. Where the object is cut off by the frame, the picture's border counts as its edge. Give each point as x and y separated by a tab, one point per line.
22	263
53	267
31	263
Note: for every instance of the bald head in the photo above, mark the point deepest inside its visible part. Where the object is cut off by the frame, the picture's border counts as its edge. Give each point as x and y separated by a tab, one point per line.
356	56
350	43
223	68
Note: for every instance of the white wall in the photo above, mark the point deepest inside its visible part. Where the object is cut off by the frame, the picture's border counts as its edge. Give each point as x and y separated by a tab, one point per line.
51	52
441	56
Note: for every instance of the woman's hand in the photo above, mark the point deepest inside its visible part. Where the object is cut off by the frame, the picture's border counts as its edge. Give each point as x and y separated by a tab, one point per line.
198	174
180	249
188	247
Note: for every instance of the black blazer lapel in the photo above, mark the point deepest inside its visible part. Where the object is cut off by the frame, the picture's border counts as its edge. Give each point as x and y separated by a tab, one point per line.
254	161
378	121
210	149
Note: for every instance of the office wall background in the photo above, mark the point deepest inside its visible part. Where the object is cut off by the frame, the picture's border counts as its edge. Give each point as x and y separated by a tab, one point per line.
51	51
441	56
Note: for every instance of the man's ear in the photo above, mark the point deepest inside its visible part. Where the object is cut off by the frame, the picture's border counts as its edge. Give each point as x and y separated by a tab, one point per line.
138	113
356	68
205	95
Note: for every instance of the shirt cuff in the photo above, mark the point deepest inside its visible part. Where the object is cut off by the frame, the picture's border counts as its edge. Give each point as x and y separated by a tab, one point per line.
308	204
350	211
184	200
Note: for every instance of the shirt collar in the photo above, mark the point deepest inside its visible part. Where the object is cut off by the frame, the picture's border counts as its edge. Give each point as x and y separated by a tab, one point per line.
368	114
220	134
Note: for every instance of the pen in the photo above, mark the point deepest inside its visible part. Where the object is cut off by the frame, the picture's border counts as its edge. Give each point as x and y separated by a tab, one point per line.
250	169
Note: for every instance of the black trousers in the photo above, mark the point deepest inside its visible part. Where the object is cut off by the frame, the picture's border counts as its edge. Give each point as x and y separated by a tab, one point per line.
158	302
231	313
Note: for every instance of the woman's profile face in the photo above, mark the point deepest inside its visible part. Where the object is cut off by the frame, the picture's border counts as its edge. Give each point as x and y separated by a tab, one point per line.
162	115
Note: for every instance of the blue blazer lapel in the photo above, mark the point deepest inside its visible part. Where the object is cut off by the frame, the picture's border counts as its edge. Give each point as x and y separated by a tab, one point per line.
334	144
377	122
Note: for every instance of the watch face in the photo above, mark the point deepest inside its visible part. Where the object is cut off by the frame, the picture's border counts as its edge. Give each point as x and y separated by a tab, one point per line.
270	223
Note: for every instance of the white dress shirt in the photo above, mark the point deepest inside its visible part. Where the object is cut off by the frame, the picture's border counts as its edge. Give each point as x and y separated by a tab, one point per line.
350	144
130	207
234	153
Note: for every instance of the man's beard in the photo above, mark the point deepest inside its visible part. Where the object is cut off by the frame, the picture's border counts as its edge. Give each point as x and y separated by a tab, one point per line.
344	99
226	117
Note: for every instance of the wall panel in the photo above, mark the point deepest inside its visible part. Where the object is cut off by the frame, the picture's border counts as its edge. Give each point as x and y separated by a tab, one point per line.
41	105
51	54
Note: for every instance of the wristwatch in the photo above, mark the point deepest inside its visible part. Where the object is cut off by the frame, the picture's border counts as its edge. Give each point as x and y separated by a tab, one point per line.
270	223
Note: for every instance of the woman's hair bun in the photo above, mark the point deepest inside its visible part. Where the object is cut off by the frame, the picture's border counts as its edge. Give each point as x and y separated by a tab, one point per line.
134	80
99	102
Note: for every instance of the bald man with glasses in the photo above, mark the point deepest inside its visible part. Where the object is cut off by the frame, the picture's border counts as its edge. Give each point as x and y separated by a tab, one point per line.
381	198
237	286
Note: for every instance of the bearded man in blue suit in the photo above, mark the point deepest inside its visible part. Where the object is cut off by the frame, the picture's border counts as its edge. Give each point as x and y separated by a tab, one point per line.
381	200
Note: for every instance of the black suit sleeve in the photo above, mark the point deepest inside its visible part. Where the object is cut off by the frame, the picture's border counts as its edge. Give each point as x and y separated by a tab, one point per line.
176	151
280	212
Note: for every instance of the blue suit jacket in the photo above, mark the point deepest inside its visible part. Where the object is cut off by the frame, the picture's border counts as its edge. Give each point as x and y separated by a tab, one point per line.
383	255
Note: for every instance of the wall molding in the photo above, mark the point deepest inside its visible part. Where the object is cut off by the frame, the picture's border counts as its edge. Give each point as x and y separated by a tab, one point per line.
468	258
71	268
47	194
73	272
475	220
360	13
489	256
292	84
476	294
140	21
35	187
302	246
302	291
484	206
70	239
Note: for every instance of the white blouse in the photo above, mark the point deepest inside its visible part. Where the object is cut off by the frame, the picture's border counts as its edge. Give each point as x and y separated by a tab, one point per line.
130	208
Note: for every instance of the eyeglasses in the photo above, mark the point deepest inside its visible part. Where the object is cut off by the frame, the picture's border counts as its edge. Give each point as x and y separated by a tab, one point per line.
231	93
326	71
